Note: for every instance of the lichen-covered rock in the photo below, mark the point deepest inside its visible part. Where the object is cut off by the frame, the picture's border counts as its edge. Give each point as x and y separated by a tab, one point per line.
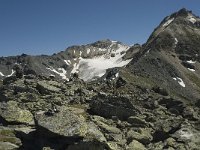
8	146
8	139
12	113
142	135
64	123
45	87
135	145
93	133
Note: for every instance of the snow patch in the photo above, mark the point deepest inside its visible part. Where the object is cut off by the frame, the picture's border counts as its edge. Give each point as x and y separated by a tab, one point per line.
62	72
180	81
191	19
96	67
191	61
11	73
88	51
51	75
117	75
1	74
75	68
191	69
168	22
176	41
68	62
88	68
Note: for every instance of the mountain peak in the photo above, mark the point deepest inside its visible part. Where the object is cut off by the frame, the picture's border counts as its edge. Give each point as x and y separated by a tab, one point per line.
183	12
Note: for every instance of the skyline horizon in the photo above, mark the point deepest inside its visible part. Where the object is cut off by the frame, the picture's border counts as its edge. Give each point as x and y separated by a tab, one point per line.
80	28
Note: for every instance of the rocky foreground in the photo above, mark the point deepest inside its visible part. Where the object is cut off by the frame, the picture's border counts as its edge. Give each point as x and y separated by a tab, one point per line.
114	113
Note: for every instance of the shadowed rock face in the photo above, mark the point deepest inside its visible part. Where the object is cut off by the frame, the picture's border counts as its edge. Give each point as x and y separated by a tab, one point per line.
152	103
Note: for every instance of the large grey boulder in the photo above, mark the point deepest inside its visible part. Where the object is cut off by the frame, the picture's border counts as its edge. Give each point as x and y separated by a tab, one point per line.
10	112
108	106
64	122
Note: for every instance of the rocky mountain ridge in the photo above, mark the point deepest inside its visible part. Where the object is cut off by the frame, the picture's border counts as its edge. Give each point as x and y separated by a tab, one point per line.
75	59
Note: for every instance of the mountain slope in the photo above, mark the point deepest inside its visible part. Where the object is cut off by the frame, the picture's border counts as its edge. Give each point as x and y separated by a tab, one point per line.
171	56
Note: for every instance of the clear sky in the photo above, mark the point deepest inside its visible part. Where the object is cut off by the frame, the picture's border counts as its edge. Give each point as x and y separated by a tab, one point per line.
49	26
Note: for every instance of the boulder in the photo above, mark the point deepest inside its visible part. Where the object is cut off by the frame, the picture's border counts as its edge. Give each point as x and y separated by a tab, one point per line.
45	87
142	135
135	145
109	106
64	123
8	146
120	82
93	133
8	138
11	113
9	80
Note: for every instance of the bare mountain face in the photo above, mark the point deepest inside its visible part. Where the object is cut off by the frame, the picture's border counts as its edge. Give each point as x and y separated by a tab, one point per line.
107	95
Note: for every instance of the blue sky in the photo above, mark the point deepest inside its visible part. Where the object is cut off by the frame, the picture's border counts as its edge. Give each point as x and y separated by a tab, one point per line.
49	26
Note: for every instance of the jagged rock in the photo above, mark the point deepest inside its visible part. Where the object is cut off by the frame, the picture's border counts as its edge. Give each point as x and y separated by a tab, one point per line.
93	133
113	106
135	145
113	146
106	128
174	106
44	87
142	135
190	113
13	114
18	71
171	142
137	122
8	146
8	139
120	82
111	73
9	80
